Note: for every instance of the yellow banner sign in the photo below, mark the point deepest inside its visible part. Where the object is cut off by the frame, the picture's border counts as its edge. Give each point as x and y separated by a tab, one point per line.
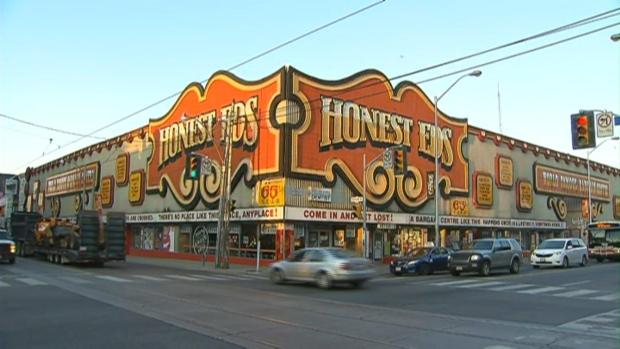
459	207
270	193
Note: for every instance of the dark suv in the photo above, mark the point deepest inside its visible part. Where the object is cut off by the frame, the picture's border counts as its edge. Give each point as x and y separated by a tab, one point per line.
485	255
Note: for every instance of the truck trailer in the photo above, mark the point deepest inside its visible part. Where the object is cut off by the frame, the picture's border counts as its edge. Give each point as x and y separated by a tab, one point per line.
87	240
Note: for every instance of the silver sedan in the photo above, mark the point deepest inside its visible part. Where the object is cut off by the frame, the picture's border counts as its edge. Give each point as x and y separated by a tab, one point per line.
323	266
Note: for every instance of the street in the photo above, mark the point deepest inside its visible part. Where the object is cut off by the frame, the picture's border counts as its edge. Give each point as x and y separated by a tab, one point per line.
167	305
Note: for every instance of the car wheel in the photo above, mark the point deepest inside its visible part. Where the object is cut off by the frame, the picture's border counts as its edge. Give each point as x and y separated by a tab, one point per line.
485	269
12	260
323	280
565	262
424	269
277	276
455	273
515	266
584	261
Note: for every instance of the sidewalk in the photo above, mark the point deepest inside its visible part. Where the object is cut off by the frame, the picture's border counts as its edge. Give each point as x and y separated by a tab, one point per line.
379	267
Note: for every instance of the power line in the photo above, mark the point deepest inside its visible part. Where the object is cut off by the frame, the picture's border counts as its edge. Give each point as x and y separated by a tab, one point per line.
585	21
262	54
48	128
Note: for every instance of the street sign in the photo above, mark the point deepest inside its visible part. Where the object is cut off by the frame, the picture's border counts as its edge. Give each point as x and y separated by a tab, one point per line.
205	166
357	199
616	120
604	125
387	159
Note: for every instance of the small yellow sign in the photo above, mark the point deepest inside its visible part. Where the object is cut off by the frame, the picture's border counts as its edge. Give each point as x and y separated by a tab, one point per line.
459	207
270	193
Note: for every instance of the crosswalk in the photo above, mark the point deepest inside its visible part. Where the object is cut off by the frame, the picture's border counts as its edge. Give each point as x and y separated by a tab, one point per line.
18	281
531	289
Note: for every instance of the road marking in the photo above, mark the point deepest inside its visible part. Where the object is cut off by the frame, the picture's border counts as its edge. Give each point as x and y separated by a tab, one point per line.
180	277
113	278
609	297
575	293
237	277
511	287
209	277
482	284
601	319
541	290
452	283
150	278
74	279
4	284
577	283
31	282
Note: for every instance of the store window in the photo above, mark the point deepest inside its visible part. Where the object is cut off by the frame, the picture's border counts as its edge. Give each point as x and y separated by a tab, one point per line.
248	240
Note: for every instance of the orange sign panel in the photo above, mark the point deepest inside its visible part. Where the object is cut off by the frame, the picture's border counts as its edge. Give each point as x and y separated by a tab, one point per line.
555	181
340	121
197	123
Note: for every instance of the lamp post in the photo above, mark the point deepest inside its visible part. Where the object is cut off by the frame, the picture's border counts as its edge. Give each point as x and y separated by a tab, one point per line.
475	73
589	178
615	37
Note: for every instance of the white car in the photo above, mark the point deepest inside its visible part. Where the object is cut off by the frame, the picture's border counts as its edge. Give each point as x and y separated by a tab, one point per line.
560	253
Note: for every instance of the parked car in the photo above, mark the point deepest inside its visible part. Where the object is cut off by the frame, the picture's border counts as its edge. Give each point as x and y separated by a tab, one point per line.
422	261
560	252
484	255
323	266
7	247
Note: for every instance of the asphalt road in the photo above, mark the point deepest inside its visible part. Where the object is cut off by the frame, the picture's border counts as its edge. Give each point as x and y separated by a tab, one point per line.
134	305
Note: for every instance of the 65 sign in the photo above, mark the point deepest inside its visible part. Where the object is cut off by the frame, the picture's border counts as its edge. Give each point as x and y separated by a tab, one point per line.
270	193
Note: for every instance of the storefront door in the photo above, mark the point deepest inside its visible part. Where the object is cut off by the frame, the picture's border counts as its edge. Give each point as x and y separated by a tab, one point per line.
377	253
318	238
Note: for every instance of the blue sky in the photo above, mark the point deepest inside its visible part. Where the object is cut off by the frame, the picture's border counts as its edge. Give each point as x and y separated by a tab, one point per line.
79	65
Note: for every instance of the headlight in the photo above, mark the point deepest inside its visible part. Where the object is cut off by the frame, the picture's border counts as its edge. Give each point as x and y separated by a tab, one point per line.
449	258
412	262
475	257
12	248
558	253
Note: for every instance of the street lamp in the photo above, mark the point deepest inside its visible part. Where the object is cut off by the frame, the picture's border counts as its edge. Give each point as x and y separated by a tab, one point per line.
475	73
615	37
589	178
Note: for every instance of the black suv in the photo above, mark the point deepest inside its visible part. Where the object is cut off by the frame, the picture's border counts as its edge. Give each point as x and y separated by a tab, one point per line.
484	255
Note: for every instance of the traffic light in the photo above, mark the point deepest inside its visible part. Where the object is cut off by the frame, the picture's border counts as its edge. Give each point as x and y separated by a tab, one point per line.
400	161
231	206
583	130
357	211
193	168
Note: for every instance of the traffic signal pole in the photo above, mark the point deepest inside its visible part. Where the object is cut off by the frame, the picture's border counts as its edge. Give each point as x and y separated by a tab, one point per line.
364	218
223	223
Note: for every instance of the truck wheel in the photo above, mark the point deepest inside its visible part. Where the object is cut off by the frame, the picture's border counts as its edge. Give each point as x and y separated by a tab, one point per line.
12	260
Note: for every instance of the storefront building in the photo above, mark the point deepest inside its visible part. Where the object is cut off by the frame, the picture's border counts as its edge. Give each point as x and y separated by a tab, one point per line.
297	167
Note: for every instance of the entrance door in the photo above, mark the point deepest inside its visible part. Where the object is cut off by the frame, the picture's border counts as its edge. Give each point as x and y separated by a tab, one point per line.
377	253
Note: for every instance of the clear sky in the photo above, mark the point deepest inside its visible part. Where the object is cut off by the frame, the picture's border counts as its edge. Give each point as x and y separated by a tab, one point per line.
79	65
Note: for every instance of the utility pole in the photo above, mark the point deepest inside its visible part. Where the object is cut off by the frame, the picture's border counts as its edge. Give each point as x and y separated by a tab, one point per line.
223	224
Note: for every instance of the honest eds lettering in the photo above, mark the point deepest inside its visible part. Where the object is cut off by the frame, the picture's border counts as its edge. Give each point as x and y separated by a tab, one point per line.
70	181
568	183
347	123
196	132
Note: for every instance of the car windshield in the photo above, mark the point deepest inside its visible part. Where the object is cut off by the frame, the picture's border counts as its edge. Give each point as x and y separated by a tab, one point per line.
418	252
4	234
341	254
552	245
479	245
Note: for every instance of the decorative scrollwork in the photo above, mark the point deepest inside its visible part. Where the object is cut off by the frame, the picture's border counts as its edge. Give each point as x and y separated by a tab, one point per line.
597	210
559	207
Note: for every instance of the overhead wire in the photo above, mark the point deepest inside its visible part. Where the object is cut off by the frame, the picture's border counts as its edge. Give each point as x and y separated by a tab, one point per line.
47	127
253	58
573	25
